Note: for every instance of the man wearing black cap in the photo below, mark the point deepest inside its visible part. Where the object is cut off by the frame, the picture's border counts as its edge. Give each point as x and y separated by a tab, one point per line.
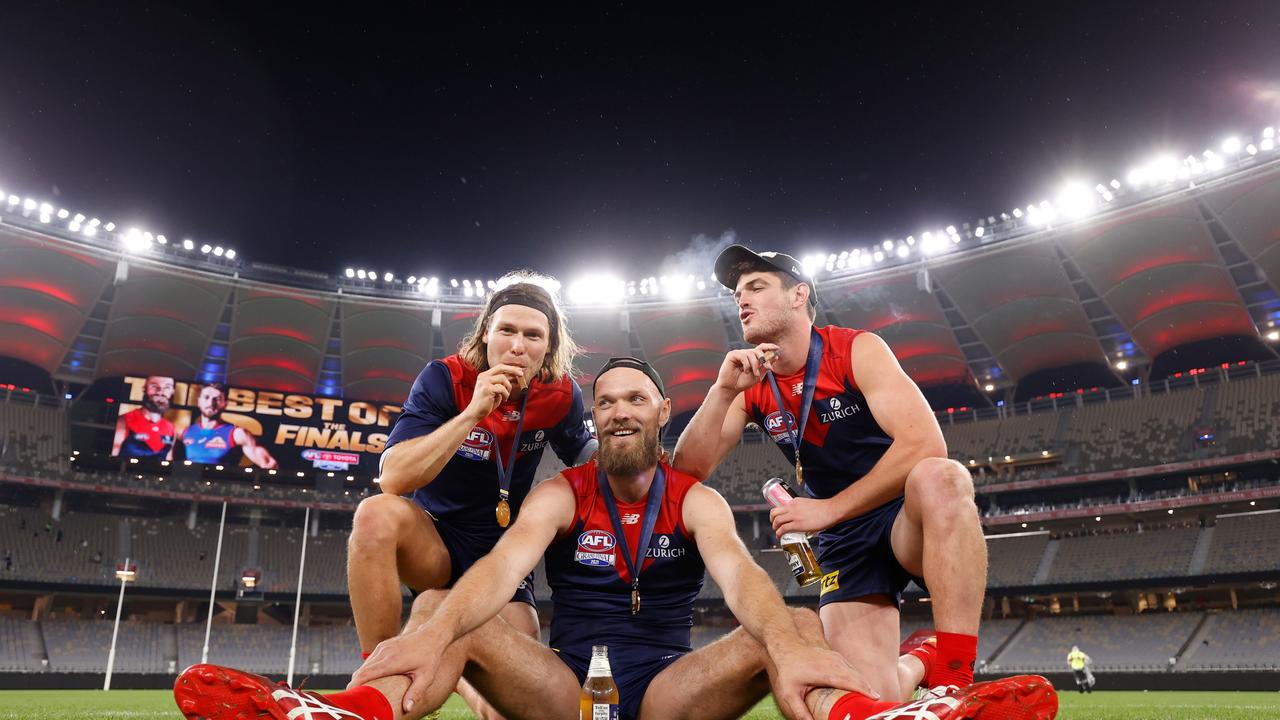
607	591
870	471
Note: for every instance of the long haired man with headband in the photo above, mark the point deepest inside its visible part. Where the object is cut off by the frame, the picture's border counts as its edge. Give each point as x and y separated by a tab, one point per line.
461	459
871	470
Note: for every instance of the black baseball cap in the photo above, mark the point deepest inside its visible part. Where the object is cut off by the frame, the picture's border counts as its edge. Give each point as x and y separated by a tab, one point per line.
782	262
634	364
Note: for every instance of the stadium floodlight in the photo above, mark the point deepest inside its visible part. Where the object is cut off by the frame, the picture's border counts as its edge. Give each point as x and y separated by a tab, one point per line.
28	204
135	241
903	251
1268	132
1076	199
598	289
980	231
878	256
63	213
887	245
46	219
453	282
14	200
467	291
1017	212
1213	160
1251	149
219	251
1231	145
79	217
466	283
361	274
1122	365
231	254
388	277
1267	144
91	231
810	264
989	387
1273	335
951	229
413	279
46	209
205	249
109	227
349	272
95	222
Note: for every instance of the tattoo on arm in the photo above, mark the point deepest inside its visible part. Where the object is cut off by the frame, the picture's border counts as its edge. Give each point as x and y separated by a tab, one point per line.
820	701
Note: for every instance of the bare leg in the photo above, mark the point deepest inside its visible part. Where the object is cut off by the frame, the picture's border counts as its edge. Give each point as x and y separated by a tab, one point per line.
722	680
523	618
865	632
938	536
521	677
910	674
392	541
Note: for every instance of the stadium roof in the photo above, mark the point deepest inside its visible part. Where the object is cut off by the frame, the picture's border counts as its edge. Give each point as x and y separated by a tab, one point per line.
1129	283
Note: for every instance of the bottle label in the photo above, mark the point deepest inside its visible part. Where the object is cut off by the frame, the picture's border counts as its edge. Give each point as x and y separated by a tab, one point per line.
797	567
603	711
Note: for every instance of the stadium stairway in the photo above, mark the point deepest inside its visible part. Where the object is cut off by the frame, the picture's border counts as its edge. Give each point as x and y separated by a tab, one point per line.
992	659
1195	641
1200	556
1046	562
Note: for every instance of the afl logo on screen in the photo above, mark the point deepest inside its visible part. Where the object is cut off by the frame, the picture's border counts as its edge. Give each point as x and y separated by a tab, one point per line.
478	438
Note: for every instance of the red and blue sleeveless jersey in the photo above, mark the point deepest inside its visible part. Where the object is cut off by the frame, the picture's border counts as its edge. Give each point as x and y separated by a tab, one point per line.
146	438
466	490
590	582
842	441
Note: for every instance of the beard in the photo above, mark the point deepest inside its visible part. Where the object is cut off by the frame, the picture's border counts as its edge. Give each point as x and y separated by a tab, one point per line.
631	460
764	330
155	404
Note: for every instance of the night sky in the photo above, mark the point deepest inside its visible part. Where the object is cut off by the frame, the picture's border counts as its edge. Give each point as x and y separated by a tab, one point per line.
604	138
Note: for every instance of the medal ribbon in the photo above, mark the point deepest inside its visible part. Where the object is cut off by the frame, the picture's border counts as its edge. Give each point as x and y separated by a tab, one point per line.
651	508
505	470
811	368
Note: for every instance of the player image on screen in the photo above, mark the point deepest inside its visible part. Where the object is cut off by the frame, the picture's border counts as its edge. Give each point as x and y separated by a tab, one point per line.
144	432
211	440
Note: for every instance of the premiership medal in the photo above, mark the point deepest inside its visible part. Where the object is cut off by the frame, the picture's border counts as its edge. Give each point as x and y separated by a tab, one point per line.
503	511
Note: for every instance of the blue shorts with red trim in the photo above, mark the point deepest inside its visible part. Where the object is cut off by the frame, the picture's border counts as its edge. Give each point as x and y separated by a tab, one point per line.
857	558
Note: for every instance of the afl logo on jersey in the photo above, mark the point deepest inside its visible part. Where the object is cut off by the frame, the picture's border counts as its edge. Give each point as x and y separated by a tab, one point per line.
780	425
476	445
595	548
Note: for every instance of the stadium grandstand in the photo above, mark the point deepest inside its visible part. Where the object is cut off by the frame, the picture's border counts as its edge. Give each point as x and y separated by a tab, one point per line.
1104	364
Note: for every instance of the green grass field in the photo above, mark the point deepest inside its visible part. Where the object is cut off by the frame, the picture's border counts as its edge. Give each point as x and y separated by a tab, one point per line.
144	704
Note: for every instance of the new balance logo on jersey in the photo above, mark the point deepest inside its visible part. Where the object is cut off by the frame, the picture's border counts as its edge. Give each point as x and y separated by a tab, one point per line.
797	389
836	409
630	518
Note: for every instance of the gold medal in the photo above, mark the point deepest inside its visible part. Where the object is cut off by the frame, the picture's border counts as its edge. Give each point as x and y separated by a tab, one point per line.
503	512
635	600
799	472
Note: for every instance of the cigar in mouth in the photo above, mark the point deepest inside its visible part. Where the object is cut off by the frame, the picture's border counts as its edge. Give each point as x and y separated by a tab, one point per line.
524	384
770	356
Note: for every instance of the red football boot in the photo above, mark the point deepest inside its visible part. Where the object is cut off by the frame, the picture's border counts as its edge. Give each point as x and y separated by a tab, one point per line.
1021	697
212	692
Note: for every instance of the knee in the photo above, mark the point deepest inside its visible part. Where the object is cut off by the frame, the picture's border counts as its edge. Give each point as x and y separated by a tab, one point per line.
945	486
377	523
807	622
424	606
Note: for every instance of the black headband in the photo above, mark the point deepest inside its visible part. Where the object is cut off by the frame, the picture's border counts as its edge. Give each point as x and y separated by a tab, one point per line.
634	364
519	296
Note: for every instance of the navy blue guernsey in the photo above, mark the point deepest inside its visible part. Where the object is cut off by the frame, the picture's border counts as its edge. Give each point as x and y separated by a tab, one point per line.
465	492
591	585
842	440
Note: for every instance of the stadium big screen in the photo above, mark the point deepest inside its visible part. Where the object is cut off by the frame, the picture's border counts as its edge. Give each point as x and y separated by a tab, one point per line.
162	418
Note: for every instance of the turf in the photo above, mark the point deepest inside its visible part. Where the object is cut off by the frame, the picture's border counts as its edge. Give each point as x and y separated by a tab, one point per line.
144	704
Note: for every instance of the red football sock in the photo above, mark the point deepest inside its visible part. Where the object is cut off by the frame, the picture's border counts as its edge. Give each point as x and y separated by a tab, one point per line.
926	654
856	706
954	664
364	701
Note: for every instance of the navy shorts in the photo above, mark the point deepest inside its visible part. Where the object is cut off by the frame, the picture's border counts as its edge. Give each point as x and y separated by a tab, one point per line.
633	667
465	549
857	558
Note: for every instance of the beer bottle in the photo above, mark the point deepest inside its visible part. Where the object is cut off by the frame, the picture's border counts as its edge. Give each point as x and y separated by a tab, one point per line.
599	699
804	564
